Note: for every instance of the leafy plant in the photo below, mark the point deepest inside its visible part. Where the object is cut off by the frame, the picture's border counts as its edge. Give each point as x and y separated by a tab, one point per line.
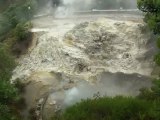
117	108
8	93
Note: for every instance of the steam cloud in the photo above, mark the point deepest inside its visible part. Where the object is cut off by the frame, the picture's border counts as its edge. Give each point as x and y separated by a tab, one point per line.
68	6
109	85
78	4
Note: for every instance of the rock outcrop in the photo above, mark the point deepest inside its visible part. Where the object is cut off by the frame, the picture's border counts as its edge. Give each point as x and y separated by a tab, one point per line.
64	56
89	48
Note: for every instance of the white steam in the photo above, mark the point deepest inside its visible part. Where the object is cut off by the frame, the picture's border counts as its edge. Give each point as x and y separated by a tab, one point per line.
63	12
66	8
78	3
69	6
109	85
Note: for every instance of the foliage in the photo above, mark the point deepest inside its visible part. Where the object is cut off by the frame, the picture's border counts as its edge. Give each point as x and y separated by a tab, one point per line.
157	59
158	42
151	8
21	31
156	89
6	61
16	14
152	94
143	107
6	114
118	108
146	94
14	26
8	93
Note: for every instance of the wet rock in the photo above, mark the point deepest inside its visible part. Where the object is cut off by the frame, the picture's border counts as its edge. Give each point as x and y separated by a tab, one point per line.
41	84
94	43
67	55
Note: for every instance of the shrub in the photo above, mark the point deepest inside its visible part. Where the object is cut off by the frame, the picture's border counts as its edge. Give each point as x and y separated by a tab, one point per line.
15	14
146	94
21	31
157	59
7	63
156	89
14	27
158	42
8	93
118	108
19	39
6	113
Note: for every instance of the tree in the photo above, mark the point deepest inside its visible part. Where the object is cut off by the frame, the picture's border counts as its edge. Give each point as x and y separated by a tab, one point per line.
151	8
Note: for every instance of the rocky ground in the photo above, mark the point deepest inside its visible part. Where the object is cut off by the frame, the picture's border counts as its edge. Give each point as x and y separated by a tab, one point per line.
77	57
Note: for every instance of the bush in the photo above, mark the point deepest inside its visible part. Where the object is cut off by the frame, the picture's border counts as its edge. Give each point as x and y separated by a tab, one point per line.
6	113
7	63
158	42
118	108
156	89
146	94
8	93
21	31
152	94
157	59
19	38
14	27
15	14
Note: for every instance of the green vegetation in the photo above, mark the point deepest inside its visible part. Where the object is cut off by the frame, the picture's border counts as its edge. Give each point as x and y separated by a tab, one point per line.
19	38
8	93
14	37
151	8
118	108
152	94
152	13
15	14
14	25
143	107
